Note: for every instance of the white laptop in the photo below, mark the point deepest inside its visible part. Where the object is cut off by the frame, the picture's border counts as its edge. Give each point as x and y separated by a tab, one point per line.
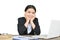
54	30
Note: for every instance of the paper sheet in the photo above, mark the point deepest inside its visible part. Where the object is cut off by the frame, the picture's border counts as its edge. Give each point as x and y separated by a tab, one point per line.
25	38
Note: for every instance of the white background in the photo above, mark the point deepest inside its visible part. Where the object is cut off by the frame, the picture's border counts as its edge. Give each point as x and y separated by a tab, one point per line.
11	10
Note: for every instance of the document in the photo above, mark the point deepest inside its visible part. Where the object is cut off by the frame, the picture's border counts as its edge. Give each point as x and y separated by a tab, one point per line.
25	38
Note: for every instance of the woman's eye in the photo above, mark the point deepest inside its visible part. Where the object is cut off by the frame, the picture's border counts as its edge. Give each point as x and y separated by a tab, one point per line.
29	12
33	13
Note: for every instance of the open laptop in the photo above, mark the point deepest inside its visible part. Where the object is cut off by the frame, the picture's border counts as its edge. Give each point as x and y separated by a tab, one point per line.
54	30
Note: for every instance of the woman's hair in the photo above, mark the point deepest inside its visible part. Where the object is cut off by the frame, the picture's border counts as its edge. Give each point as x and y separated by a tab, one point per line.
30	6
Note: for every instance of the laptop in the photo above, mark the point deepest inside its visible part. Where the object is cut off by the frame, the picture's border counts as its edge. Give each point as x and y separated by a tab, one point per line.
54	30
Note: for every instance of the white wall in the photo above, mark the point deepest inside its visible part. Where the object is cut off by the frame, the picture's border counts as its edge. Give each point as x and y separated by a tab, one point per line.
49	10
10	10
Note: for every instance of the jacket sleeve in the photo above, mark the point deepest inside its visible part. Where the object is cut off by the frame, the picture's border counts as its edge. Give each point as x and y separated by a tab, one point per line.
37	30
21	27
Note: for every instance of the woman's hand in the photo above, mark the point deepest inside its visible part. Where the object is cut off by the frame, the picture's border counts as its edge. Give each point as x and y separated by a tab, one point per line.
32	23
33	17
27	21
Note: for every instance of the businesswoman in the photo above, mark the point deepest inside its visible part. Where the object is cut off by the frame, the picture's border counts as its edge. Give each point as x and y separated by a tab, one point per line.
28	25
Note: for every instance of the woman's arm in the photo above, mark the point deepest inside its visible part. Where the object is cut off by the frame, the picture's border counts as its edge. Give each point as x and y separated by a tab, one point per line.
36	30
21	27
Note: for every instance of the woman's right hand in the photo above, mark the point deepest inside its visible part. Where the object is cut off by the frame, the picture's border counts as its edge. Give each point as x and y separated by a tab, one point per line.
27	21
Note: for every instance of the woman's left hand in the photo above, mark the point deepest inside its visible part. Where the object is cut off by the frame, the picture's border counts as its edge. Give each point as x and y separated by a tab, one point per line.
32	18
32	23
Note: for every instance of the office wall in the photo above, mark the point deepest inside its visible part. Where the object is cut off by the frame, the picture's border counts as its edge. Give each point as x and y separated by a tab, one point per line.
11	10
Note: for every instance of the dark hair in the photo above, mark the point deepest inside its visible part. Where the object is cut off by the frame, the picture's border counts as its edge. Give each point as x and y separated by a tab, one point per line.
30	6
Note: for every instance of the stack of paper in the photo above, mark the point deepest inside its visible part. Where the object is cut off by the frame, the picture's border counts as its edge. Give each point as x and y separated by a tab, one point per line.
24	38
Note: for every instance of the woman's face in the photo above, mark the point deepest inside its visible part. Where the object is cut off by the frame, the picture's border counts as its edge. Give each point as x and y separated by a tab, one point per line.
30	13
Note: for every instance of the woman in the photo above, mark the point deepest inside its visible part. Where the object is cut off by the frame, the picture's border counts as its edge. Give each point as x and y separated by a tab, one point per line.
28	25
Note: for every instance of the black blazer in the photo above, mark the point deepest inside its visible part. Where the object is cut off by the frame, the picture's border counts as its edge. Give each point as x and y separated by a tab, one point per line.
22	30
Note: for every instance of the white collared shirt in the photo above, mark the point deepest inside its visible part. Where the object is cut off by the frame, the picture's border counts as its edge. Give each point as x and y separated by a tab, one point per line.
29	28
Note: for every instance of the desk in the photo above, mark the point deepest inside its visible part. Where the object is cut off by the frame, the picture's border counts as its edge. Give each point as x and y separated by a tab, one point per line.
9	37
44	37
5	37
